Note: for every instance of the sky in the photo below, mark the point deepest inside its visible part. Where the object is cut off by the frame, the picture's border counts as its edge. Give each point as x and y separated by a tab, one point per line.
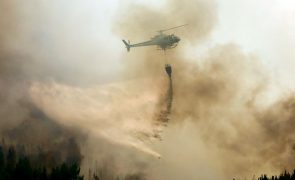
78	46
264	28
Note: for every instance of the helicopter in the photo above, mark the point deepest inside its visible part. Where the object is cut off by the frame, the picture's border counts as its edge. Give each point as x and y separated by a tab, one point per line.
163	41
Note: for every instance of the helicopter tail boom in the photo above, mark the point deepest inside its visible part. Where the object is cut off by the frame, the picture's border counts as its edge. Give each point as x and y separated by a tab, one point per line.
127	45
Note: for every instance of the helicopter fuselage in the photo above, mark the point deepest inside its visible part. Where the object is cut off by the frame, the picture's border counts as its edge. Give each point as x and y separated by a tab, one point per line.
165	41
161	40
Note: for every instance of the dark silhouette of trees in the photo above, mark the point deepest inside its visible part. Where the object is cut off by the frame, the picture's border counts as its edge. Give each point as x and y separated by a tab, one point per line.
14	167
16	164
283	176
2	163
11	158
66	172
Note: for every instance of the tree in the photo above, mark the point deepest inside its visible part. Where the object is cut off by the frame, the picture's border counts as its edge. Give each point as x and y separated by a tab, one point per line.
2	162
11	157
23	169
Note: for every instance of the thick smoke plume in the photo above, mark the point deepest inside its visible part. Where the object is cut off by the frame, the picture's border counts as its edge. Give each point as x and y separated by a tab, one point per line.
220	125
222	96
22	124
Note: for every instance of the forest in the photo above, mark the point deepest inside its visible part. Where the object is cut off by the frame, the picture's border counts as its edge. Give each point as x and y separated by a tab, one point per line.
15	164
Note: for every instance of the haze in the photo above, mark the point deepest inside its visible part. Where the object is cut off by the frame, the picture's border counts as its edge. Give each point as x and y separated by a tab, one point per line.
231	91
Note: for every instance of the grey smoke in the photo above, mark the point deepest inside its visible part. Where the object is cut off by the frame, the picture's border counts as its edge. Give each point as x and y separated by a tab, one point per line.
220	125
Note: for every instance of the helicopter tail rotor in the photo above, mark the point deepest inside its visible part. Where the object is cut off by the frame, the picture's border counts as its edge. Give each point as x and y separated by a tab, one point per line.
127	45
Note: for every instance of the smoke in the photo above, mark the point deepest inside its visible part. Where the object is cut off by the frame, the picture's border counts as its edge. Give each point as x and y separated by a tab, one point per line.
220	100
49	65
23	61
223	121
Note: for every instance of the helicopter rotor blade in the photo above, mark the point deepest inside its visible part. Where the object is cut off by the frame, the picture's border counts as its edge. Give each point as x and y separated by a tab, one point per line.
172	28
